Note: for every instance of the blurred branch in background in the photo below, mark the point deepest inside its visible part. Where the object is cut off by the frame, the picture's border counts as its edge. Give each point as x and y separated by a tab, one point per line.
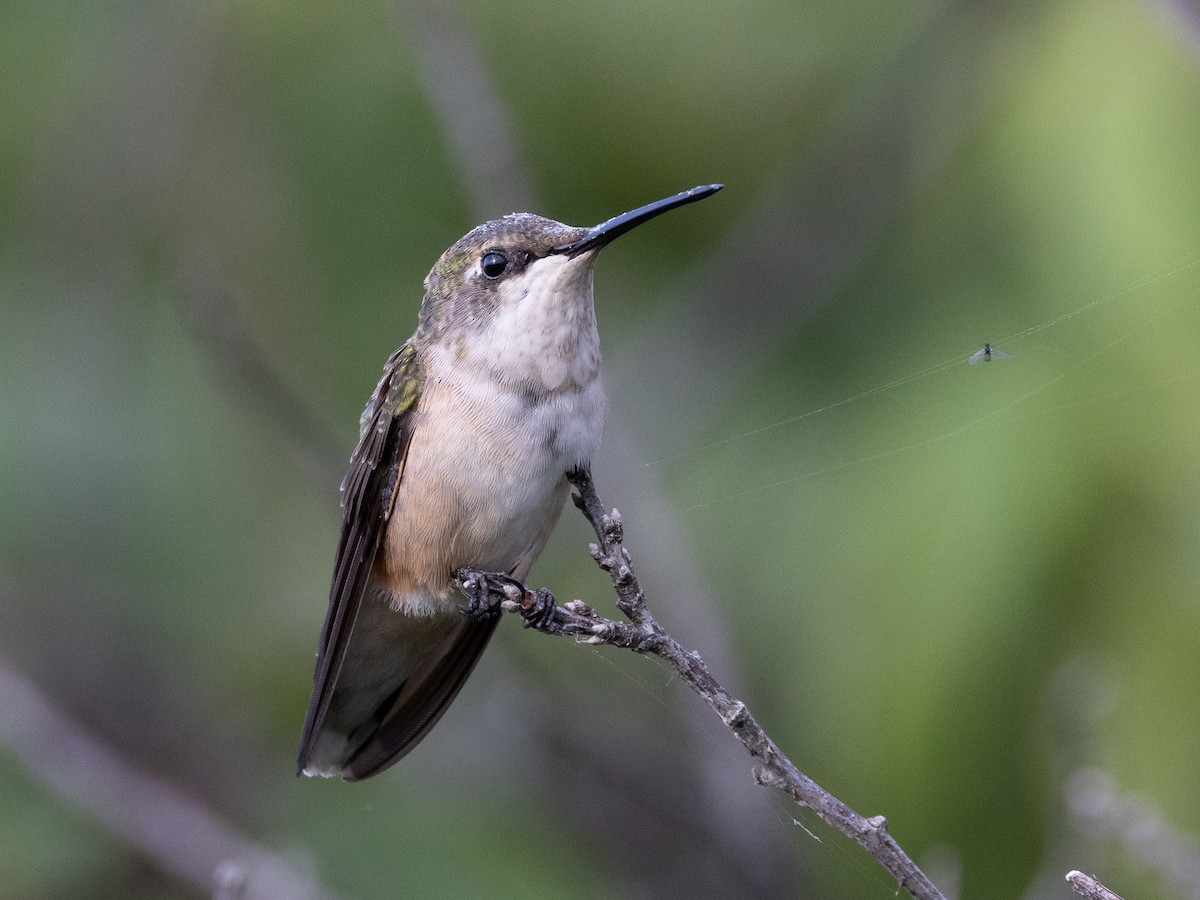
473	114
1137	824
1183	19
174	830
1090	820
309	438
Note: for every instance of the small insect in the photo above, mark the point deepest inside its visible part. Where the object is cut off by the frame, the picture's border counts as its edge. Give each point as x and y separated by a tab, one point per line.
987	353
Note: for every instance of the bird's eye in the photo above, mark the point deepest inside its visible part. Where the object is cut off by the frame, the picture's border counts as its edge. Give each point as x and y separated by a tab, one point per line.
493	264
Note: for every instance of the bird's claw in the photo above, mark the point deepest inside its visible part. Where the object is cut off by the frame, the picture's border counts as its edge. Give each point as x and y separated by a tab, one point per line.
477	587
538	608
486	592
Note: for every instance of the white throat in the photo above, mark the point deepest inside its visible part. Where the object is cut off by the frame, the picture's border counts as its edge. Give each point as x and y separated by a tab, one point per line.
543	333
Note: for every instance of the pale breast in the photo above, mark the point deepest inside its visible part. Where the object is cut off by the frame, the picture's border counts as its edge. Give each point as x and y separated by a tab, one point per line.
484	481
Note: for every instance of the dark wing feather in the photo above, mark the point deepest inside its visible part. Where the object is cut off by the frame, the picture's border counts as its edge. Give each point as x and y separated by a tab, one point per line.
368	490
422	699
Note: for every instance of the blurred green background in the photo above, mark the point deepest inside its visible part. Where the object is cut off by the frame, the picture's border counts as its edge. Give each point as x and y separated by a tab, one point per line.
964	597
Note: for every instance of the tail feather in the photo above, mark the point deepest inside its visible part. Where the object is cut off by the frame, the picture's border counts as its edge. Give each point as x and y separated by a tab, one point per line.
421	700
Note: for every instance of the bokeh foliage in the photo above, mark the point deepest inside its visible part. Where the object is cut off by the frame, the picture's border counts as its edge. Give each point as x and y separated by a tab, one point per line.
943	589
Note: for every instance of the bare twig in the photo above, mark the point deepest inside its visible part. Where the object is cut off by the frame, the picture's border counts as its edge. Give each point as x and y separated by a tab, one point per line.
643	634
1089	886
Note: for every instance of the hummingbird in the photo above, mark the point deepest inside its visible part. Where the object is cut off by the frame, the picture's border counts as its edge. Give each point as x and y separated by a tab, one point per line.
462	462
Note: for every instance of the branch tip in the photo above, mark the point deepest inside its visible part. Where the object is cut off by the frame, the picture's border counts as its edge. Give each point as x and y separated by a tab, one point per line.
1089	886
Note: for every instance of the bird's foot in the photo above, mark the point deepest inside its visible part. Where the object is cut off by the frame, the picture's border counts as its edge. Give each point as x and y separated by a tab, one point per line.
485	592
538	608
488	593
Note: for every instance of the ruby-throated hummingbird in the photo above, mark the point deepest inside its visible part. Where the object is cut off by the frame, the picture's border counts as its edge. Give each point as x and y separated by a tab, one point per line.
461	463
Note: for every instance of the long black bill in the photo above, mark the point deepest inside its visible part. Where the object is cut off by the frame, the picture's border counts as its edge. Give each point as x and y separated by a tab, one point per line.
618	225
